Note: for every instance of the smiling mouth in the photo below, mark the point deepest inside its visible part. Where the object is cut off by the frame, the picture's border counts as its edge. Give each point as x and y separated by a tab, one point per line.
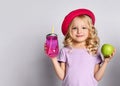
79	35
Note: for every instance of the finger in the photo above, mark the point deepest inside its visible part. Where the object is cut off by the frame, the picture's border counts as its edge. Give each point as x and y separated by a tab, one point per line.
114	50
113	54
45	47
45	44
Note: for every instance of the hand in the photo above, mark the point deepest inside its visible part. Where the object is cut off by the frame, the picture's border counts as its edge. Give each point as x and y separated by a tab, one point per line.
46	51
45	48
108	58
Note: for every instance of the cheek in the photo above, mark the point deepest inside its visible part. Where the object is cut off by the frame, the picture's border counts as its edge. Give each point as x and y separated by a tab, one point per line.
73	32
87	34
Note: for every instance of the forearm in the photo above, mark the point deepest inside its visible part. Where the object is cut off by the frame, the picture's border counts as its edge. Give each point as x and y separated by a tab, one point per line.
101	71
59	71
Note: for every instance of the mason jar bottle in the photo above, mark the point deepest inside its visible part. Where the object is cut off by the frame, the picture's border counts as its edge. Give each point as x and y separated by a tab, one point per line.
52	47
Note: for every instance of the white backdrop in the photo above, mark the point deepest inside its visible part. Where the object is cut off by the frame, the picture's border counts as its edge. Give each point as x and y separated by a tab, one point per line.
24	25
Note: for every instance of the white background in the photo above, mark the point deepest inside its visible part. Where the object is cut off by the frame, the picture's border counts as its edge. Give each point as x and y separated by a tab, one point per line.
23	28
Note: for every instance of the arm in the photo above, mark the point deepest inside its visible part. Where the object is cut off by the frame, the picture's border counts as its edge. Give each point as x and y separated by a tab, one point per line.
100	69
59	68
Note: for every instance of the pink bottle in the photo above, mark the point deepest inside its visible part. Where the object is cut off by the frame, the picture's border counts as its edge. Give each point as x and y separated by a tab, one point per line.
52	47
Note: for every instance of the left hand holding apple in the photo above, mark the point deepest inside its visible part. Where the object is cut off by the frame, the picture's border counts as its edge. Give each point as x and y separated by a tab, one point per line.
108	58
108	52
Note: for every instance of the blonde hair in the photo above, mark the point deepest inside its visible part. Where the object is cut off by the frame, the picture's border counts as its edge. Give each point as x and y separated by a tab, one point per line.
92	42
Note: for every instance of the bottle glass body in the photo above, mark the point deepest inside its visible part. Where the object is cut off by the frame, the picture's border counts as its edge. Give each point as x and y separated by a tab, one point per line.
52	47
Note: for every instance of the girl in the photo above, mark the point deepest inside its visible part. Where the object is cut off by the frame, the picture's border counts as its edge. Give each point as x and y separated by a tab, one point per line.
79	62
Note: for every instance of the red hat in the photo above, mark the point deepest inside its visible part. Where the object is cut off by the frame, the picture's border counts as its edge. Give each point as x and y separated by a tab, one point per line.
72	15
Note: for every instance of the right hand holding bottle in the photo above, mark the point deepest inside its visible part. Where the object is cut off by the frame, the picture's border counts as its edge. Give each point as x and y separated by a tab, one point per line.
47	52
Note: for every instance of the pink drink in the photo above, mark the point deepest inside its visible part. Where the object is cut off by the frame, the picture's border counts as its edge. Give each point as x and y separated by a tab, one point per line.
52	45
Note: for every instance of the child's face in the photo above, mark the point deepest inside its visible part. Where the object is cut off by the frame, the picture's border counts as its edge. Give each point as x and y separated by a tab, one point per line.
79	30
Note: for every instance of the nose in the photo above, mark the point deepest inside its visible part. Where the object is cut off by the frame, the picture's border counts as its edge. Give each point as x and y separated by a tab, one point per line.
79	30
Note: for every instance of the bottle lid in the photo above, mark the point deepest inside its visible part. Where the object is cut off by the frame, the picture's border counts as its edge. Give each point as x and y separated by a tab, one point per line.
51	34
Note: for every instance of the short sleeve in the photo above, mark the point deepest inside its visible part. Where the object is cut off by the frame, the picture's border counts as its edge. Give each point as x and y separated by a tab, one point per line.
98	59
62	56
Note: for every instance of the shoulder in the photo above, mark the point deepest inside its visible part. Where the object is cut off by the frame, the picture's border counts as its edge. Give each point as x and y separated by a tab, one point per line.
98	57
65	49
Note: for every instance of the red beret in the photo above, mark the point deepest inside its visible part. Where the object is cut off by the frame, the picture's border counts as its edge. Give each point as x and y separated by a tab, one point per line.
67	20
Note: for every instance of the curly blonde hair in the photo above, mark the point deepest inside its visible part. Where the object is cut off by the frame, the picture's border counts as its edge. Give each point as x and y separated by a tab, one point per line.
92	42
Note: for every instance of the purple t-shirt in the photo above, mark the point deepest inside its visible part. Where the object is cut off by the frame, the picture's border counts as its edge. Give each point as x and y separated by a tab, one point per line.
79	67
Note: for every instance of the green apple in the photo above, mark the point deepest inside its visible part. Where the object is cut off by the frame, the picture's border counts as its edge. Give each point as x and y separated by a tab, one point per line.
107	50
